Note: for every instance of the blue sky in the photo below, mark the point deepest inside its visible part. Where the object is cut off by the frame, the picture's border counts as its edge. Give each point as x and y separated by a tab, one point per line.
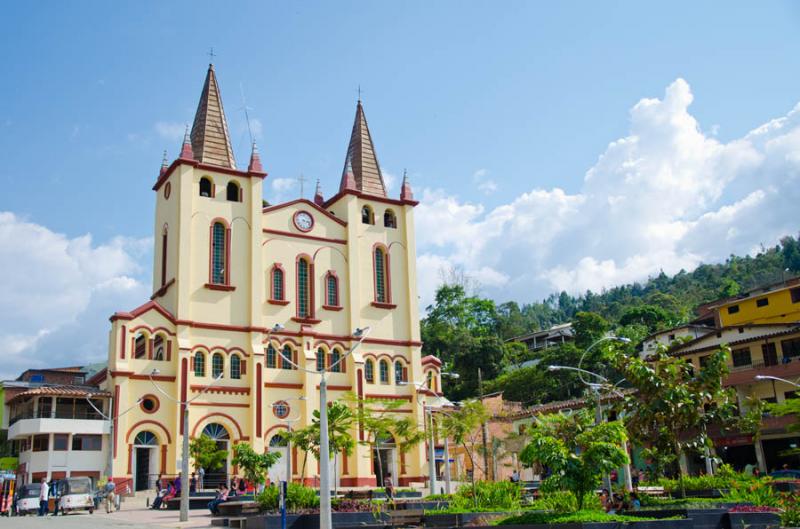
528	122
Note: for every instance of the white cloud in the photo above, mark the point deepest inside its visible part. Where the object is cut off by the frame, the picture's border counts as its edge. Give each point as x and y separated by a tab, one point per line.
171	131
389	180
58	293
666	196
485	185
281	185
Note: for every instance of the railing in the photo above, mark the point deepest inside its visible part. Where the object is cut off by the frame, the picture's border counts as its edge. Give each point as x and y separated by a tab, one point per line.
88	415
760	365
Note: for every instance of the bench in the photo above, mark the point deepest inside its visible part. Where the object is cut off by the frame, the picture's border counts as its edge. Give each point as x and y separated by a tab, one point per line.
232	509
652	491
359	495
406	518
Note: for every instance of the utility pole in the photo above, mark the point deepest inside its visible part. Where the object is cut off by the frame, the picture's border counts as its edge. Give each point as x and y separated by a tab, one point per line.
484	430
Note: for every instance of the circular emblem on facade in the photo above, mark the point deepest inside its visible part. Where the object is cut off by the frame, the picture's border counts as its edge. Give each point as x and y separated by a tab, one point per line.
149	404
167	190
303	221
281	409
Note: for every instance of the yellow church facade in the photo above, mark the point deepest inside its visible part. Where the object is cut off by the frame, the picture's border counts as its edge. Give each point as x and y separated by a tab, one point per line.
240	287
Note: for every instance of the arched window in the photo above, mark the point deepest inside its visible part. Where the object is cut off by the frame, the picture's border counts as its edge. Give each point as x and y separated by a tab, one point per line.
430	380
159	348
399	372
278	440
220	239
140	346
286	355
145	438
381	276
206	187
217	365
332	287
164	255
303	288
369	371
335	357
236	367
199	364
277	283
272	357
232	193
389	219
383	365
367	217
320	359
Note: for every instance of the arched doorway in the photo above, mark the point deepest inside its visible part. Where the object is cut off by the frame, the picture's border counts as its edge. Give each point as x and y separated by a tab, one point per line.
277	472
384	458
145	460
214	478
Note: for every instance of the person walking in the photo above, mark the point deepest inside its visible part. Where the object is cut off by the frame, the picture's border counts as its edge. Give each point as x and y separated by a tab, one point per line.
44	496
110	496
201	474
388	486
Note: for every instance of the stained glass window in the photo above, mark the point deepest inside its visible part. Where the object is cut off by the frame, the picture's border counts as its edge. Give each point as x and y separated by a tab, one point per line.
384	368
380	276
320	359
217	365
369	371
218	254
236	367
199	364
287	357
336	368
333	291
302	289
272	357
277	283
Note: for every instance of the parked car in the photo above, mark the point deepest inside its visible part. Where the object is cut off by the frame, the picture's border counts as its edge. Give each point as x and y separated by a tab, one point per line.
790	474
28	498
786	485
76	494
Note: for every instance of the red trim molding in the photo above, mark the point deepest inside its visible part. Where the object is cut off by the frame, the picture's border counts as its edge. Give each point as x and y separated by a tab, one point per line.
282	385
148	421
335	309
218	414
224	288
306	321
213	168
389	397
304	236
154	399
227	390
278	301
384	200
379	305
307	203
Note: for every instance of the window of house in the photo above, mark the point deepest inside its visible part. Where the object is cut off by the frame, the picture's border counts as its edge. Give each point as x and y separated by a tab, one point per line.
333	290
140	346
367	216
383	366
205	187
369	371
219	253
303	290
769	351
45	407
790	395
232	192
336	366
277	283
236	367
87	442
199	364
704	360
381	292
690	366
158	348
770	400
763	302
217	365
272	357
389	219
41	443
287	358
61	442
791	348
741	357
795	293
320	359
733	309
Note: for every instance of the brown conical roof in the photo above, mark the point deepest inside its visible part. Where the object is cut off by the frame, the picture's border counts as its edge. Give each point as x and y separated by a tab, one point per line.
211	143
361	163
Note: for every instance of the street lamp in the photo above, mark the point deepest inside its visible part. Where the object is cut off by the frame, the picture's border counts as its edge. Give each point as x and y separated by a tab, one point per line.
770	377
185	461
110	470
285	487
325	519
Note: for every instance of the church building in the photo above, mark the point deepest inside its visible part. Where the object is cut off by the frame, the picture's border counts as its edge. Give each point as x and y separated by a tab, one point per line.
242	293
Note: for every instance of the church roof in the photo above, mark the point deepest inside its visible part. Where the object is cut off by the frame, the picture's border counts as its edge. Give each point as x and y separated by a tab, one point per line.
211	143
361	164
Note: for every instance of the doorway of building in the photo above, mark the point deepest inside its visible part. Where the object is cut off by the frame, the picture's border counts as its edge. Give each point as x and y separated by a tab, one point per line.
218	476
277	472
383	459
145	460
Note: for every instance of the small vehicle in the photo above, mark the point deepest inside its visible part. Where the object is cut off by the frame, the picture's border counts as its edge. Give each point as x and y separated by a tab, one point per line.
787	474
28	498
76	494
786	485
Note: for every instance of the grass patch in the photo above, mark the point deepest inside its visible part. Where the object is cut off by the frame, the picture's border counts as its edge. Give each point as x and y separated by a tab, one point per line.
575	517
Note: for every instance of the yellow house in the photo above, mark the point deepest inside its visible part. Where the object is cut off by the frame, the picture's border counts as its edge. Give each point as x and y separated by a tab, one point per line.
770	305
226	270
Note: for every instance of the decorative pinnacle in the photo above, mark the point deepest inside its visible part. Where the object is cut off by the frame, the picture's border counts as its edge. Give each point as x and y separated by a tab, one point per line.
186	149
318	198
164	163
255	161
405	190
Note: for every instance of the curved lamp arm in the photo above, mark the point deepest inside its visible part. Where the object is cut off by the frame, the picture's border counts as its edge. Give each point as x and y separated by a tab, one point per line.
173	399
360	334
603	339
108	417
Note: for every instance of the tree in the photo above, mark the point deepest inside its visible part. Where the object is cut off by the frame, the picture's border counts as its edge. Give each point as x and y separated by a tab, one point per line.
254	465
674	403
379	420
653	317
589	327
207	454
578	452
464	427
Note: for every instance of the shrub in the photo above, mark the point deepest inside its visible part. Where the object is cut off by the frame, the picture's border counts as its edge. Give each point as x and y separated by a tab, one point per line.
298	497
489	495
530	518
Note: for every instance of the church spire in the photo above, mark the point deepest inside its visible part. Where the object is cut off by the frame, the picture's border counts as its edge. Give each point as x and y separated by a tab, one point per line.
361	169
255	161
211	143
186	148
405	190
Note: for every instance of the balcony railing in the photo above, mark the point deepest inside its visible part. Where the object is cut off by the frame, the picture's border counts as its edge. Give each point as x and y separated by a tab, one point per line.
89	415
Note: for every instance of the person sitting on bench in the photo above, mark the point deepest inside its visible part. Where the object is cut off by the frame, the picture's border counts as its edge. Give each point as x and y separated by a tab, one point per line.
222	496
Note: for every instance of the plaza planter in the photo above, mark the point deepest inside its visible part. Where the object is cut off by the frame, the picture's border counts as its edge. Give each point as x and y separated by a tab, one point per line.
461	519
645	524
753	520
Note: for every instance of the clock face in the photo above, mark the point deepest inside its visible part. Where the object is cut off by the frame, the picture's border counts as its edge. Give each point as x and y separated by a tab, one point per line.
303	221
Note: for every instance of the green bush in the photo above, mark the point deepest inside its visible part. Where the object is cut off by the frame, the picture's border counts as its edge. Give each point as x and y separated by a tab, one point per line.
755	492
488	496
725	478
8	463
298	497
583	516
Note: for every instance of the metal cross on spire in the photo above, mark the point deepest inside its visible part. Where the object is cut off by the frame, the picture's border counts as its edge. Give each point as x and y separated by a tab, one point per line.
359	92
211	55
302	179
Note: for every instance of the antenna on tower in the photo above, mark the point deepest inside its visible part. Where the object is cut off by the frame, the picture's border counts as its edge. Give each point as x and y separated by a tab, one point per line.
246	113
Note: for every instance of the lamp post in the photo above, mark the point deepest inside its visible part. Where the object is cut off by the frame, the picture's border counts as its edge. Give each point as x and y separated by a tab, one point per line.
595	387
770	377
185	460
325	519
110	469
285	484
